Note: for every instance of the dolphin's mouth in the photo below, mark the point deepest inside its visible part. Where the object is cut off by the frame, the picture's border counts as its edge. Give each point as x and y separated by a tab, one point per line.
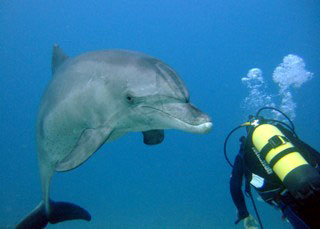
184	116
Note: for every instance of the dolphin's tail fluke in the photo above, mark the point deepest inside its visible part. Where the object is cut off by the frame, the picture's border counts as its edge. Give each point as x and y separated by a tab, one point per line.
59	211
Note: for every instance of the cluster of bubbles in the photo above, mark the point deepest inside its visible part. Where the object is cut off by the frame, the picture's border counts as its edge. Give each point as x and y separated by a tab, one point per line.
291	73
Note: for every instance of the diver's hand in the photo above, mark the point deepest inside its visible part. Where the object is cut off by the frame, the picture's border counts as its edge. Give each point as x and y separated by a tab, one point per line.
250	223
241	215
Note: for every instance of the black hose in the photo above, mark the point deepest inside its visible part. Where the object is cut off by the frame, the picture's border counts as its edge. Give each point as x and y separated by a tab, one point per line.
255	209
272	108
225	145
285	124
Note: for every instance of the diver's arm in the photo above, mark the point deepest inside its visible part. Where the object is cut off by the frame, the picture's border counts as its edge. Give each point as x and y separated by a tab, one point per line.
235	188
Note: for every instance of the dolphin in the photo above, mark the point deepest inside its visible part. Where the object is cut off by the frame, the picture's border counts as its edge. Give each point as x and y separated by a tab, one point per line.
96	98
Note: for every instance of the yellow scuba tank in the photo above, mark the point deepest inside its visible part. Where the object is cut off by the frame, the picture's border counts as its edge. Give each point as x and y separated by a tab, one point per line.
276	149
284	159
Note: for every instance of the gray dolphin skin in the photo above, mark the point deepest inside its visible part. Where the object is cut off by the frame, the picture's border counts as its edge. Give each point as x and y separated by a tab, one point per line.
95	98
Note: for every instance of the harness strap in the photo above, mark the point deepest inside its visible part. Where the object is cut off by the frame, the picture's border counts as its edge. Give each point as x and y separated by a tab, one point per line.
273	142
283	153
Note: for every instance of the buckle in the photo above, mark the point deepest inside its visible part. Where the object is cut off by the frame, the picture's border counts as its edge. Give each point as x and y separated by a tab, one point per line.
277	140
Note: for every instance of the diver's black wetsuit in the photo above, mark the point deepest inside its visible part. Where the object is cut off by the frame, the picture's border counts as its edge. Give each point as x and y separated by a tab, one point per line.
301	214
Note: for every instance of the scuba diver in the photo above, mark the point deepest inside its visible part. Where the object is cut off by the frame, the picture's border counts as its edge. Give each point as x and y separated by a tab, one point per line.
282	169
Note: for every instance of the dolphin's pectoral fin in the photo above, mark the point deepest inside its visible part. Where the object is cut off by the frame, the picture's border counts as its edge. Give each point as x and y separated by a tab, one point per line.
153	137
59	211
88	143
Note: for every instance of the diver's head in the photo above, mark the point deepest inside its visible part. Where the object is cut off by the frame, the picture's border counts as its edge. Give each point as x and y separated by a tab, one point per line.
242	139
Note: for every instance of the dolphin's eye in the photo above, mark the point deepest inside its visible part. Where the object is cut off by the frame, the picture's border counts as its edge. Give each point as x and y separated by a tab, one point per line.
129	98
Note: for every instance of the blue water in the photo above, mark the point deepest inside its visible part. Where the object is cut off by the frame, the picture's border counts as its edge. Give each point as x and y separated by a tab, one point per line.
182	183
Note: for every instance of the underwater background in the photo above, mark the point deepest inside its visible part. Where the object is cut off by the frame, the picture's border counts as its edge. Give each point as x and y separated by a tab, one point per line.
212	44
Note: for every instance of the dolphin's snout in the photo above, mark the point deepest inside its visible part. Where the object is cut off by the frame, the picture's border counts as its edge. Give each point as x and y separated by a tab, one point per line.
203	120
190	118
205	128
202	117
196	114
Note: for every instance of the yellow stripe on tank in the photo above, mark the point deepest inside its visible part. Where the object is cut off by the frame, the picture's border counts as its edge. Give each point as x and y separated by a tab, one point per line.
286	164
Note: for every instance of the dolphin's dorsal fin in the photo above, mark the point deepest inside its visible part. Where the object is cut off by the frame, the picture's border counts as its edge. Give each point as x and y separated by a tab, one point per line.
58	57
